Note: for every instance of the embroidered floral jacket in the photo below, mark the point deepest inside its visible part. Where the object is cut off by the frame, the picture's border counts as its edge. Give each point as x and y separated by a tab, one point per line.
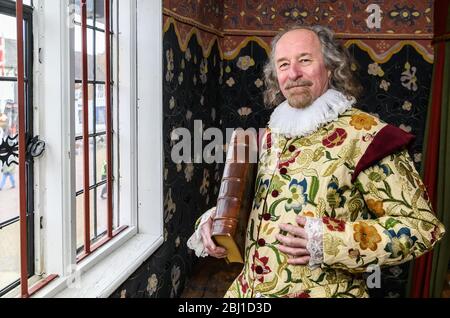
355	174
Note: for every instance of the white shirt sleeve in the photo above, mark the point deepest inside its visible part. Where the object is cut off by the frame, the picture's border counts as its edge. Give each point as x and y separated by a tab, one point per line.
195	241
314	230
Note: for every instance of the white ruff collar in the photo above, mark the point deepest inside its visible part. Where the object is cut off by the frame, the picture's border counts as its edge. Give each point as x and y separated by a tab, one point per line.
293	122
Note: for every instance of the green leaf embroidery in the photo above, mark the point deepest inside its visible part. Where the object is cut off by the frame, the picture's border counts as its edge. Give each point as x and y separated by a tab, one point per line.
360	188
388	188
333	213
282	292
355	207
314	188
415	199
328	155
252	228
277	183
268	286
391	223
426	226
374	190
275	204
321	278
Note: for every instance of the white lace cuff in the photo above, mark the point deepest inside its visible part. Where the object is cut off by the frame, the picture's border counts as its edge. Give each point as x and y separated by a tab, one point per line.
195	241
314	230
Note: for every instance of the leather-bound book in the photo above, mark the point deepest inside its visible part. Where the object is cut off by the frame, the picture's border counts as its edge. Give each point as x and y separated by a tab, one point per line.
236	195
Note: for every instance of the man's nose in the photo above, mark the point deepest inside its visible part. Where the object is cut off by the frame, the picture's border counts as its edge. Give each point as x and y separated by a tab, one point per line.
295	71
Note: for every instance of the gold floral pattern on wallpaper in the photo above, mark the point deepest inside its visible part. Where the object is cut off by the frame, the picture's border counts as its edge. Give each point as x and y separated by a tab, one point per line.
249	20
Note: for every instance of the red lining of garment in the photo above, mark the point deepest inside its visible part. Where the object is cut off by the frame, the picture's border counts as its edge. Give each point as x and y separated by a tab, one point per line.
389	140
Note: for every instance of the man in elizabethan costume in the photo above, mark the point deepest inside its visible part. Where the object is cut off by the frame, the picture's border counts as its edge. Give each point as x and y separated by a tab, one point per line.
336	191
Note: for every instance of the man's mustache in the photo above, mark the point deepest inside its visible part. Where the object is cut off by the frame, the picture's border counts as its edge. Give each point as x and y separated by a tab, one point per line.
300	83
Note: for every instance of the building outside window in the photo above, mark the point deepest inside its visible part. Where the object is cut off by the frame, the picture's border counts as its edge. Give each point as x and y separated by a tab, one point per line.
9	129
55	112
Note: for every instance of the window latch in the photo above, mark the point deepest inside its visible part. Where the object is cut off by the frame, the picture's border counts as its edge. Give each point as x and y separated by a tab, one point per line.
35	147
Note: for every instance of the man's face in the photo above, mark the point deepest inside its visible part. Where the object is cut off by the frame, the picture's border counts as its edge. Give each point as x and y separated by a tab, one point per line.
301	70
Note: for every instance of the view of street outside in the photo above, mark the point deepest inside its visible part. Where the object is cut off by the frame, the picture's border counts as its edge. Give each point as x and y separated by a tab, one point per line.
101	200
9	235
9	195
9	209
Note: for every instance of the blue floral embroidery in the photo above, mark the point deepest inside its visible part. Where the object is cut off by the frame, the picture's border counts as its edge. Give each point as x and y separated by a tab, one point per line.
298	198
401	242
335	195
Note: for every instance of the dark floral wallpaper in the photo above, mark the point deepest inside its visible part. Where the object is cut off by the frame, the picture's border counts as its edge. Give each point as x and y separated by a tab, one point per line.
203	82
401	16
191	93
242	89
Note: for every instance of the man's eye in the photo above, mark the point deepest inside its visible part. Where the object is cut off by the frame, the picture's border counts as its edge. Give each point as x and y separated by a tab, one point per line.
305	60
283	66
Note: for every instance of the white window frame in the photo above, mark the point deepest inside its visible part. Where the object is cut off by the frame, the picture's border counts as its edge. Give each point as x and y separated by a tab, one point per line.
139	182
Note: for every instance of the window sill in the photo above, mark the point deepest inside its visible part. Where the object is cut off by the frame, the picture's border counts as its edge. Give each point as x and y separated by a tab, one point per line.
102	279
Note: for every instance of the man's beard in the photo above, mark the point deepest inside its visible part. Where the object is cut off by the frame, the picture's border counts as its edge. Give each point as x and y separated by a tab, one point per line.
299	94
